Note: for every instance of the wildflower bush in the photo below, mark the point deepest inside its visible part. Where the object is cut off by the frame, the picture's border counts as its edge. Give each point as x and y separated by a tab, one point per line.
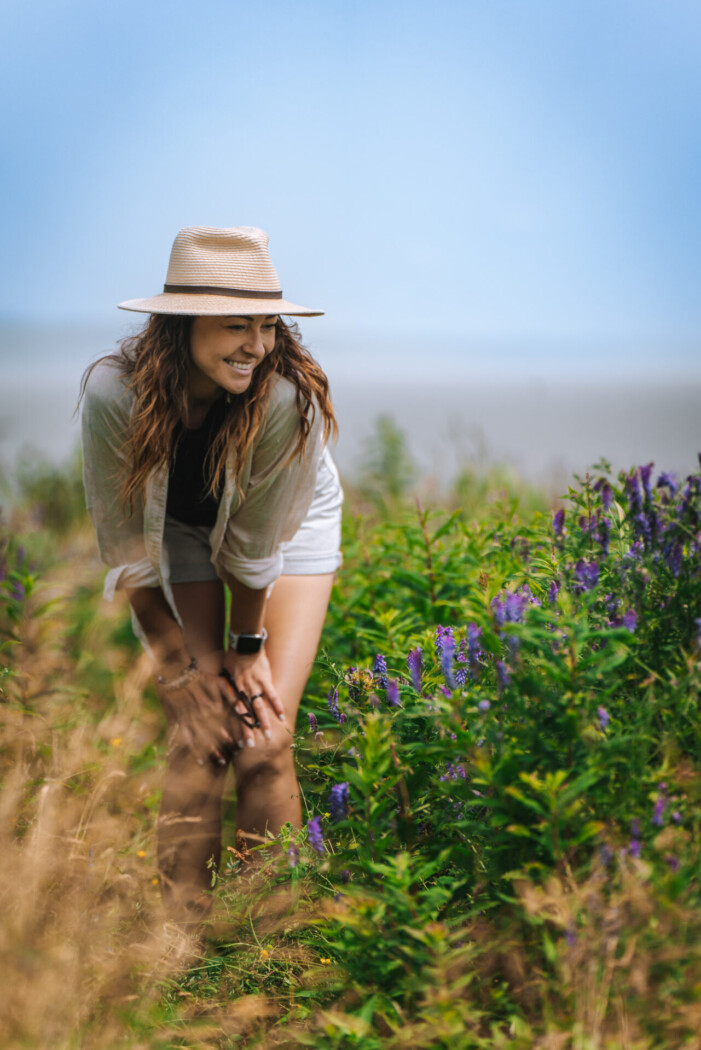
522	707
499	758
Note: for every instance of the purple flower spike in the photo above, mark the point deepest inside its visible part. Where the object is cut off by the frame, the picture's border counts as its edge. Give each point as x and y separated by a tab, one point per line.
643	528
635	499
393	692
503	676
474	652
316	839
603	717
630	620
380	670
669	481
293	855
415	661
645	475
606	496
586	575
674	557
658	811
332	700
559	523
338	801
313	724
672	862
444	636
635	844
483	705
508	608
447	660
553	591
604	535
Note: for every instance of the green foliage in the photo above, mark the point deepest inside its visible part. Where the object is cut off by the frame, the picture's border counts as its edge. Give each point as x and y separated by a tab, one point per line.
388	470
507	778
554	726
17	581
53	494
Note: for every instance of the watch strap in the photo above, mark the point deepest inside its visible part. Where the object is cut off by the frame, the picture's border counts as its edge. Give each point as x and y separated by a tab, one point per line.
244	642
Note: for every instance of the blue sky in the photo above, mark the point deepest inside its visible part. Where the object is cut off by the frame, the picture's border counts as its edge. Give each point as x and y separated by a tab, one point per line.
511	176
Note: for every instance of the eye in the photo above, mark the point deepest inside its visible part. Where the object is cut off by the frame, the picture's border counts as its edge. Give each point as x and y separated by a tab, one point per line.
236	327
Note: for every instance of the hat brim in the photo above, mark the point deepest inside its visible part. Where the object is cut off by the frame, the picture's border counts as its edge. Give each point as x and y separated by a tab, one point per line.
216	306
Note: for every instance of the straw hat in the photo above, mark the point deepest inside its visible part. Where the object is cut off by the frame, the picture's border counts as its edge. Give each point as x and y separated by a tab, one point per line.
221	272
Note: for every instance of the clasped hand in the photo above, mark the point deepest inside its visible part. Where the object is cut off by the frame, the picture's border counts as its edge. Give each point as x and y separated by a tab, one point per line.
211	715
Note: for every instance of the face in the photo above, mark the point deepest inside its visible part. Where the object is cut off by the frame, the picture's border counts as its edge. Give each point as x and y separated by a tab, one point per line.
225	350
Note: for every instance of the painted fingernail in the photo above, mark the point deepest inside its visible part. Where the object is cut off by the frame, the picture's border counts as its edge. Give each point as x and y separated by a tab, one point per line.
281	717
268	735
251	743
241	743
221	761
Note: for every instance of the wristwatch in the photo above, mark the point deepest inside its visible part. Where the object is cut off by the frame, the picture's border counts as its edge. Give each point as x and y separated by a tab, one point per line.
247	643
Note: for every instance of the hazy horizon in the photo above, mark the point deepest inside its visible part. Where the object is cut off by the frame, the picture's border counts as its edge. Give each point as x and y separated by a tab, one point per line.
545	423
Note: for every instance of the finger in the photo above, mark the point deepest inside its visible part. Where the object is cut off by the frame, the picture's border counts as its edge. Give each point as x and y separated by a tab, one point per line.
261	709
235	726
271	696
276	702
246	731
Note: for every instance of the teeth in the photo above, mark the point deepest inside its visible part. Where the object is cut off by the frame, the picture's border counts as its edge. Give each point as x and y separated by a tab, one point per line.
241	366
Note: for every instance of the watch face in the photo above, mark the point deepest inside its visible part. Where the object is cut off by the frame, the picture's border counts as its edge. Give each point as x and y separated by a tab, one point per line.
249	643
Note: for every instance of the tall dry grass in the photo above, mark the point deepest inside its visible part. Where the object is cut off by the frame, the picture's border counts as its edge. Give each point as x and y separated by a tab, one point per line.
83	936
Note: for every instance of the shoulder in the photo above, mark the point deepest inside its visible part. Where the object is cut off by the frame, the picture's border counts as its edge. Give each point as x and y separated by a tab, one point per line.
284	398
283	395
106	387
282	415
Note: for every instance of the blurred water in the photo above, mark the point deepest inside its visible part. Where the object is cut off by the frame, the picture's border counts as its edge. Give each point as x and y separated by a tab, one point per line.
544	426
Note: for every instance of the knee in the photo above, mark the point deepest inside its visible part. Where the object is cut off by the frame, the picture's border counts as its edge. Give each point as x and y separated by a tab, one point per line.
266	762
192	784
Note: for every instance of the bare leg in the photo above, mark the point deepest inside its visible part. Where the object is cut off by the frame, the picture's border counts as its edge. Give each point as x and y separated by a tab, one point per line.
189	824
266	781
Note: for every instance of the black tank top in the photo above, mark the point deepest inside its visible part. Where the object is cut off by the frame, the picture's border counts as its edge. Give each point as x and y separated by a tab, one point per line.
188	499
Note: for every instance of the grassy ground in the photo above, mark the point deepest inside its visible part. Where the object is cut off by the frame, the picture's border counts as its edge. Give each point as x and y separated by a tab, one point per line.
510	858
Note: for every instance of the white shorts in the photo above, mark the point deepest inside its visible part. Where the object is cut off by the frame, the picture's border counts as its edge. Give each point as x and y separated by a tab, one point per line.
314	549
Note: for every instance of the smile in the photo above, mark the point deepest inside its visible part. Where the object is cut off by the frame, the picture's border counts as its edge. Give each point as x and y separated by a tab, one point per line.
244	367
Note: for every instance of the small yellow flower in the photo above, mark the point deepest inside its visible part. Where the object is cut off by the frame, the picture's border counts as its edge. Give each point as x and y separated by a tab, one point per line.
327	814
141	853
326	962
154	880
264	954
116	741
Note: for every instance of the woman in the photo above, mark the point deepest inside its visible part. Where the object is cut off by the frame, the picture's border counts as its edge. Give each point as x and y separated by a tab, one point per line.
205	463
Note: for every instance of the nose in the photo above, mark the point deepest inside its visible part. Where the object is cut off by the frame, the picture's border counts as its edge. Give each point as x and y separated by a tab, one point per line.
254	343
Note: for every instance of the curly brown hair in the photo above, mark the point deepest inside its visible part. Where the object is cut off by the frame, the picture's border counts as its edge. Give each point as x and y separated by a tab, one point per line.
155	364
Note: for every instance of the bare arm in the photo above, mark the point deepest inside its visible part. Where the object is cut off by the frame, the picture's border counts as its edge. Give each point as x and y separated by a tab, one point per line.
160	627
199	713
251	673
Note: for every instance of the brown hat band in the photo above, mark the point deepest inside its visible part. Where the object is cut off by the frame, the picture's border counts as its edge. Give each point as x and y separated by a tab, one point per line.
204	289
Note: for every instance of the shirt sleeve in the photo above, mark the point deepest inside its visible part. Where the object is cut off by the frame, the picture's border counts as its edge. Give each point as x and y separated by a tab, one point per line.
278	495
120	538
